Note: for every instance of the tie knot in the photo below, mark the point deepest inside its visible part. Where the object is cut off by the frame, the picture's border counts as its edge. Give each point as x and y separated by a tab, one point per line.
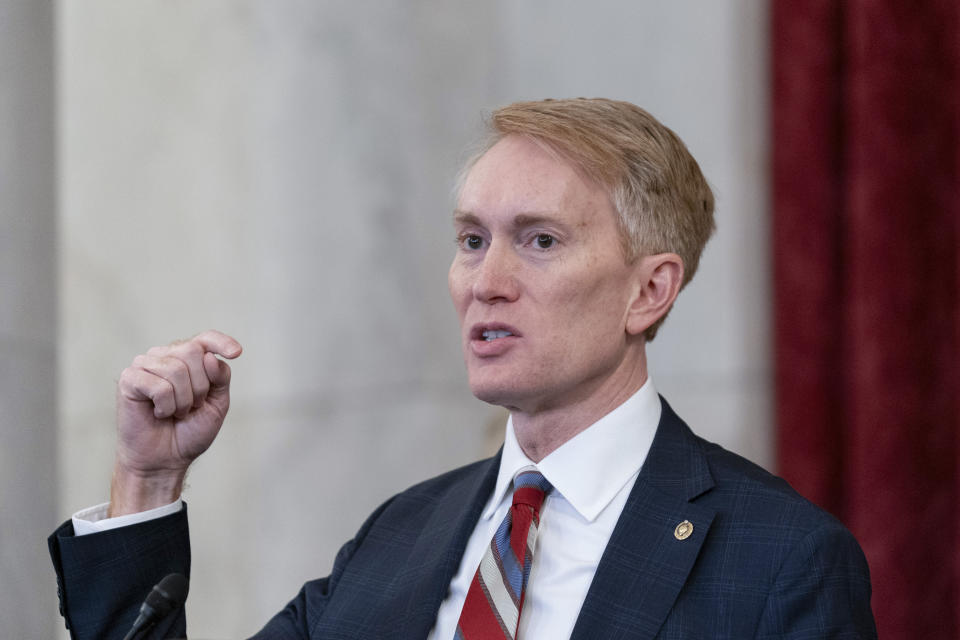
533	479
530	488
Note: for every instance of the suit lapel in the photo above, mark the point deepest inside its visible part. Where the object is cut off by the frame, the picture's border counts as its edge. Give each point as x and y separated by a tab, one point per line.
646	562
436	555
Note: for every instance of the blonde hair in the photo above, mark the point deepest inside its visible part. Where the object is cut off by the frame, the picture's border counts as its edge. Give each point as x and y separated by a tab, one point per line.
663	202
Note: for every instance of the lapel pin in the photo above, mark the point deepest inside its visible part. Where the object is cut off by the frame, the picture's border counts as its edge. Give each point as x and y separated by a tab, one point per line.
683	530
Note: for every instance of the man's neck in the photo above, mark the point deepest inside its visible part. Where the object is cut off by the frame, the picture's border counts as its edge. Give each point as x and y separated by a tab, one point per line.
541	432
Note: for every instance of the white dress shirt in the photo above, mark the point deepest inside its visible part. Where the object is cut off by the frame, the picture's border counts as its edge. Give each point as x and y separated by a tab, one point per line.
94	519
592	475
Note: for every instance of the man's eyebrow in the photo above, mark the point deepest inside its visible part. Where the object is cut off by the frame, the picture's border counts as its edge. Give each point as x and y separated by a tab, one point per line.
520	220
465	217
533	218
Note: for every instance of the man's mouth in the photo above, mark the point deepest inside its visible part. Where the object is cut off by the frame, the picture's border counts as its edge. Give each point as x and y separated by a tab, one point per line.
492	339
490	331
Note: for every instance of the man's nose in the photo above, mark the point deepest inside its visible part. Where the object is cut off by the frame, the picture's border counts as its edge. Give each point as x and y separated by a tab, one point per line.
497	276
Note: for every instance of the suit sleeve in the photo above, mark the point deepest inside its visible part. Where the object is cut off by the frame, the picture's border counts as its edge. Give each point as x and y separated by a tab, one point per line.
821	591
102	578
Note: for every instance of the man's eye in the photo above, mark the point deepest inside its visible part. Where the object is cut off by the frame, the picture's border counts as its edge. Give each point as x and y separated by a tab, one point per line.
472	242
545	240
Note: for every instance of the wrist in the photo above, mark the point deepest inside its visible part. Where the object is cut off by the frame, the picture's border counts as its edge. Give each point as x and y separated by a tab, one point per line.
133	491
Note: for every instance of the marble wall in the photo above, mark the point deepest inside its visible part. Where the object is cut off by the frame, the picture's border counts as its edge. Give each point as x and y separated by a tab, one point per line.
28	323
282	170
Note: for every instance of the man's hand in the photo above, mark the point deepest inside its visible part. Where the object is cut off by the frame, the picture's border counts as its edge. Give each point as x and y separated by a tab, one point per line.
171	402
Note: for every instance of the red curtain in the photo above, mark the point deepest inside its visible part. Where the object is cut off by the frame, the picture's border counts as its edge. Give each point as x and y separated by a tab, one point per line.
866	195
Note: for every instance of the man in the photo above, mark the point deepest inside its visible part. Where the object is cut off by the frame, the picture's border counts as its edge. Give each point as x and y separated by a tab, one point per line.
603	516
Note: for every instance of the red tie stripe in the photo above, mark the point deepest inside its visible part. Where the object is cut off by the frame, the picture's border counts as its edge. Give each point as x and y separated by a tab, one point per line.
495	598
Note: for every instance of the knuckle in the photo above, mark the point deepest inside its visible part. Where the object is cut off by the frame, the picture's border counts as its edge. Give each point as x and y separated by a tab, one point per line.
176	366
125	381
193	349
165	395
188	351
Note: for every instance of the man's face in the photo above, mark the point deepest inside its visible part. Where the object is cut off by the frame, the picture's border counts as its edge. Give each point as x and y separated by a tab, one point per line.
539	281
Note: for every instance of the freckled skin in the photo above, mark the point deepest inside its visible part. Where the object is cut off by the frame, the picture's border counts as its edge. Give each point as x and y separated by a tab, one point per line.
576	358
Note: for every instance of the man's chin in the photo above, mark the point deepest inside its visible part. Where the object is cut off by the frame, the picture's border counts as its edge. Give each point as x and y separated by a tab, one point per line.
499	395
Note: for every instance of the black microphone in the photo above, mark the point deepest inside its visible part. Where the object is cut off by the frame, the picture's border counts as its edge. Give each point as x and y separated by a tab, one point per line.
166	595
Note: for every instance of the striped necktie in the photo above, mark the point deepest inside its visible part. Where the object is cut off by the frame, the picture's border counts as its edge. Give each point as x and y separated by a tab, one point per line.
495	597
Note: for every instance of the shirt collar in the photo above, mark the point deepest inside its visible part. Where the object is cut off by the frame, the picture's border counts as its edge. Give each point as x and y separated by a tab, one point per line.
590	468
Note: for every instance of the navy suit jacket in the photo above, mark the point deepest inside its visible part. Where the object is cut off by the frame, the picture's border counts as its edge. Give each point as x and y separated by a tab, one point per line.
761	562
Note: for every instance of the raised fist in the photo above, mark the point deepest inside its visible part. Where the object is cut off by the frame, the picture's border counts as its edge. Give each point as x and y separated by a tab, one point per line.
171	403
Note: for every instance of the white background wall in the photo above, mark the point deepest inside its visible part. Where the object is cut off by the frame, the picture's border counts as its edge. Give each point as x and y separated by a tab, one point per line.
281	170
28	320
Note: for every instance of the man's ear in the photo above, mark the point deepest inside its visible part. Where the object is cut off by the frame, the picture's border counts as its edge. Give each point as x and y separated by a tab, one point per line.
658	282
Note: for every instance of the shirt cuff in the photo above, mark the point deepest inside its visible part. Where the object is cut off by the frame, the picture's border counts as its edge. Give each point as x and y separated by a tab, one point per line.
94	519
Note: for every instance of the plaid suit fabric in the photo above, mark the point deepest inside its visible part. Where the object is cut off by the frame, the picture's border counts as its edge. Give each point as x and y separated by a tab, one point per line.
107	581
495	598
761	561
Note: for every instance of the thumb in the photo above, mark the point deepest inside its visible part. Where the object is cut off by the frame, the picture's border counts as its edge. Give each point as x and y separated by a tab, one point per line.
218	372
